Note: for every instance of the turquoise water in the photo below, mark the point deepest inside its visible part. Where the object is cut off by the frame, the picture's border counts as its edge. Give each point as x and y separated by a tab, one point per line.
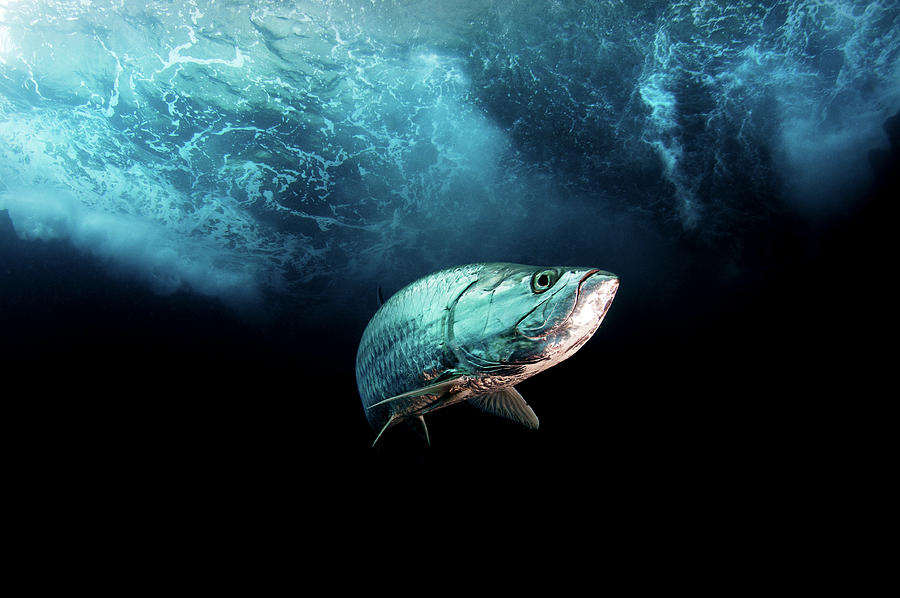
316	149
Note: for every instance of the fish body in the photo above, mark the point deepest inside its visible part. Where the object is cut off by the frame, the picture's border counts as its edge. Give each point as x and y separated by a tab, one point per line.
472	333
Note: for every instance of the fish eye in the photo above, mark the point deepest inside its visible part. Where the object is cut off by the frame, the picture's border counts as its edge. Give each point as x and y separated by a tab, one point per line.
543	280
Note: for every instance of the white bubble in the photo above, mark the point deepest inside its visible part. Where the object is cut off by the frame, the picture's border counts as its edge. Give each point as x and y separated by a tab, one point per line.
150	251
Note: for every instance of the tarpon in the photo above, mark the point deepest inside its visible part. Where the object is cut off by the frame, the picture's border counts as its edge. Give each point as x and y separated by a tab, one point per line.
471	333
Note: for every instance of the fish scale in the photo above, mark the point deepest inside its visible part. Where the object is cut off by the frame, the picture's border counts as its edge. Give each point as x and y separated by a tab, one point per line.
398	352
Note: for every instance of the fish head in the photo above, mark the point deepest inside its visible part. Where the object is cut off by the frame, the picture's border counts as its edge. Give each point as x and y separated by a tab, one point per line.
528	318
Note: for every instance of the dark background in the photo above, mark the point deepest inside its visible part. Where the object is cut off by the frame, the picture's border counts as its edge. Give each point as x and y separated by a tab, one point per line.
730	417
761	393
703	378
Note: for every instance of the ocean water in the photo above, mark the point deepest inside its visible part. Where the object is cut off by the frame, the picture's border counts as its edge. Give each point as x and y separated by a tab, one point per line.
198	201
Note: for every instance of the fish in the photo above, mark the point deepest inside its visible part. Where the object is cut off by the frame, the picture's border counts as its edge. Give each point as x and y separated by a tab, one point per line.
472	333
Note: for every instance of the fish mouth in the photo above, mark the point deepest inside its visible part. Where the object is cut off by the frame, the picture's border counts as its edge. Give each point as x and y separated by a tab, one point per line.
592	295
598	280
587	275
596	291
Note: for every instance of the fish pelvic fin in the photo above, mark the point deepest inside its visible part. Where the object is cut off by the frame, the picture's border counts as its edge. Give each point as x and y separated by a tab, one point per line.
391	420
507	403
418	424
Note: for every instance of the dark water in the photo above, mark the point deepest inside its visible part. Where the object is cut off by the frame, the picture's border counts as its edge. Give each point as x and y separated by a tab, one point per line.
200	200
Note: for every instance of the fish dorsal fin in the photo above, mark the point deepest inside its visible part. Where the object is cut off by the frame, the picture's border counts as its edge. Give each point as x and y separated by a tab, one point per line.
380	297
507	403
439	389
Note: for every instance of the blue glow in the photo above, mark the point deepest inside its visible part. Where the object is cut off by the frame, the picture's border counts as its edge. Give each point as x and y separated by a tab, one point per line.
241	148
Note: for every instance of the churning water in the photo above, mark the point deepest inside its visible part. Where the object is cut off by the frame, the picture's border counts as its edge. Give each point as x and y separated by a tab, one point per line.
240	148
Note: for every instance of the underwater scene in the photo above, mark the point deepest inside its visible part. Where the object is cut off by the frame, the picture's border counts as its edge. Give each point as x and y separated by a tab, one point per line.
203	203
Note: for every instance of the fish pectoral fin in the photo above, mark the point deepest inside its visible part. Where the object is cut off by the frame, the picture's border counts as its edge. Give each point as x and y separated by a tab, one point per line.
507	403
439	389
